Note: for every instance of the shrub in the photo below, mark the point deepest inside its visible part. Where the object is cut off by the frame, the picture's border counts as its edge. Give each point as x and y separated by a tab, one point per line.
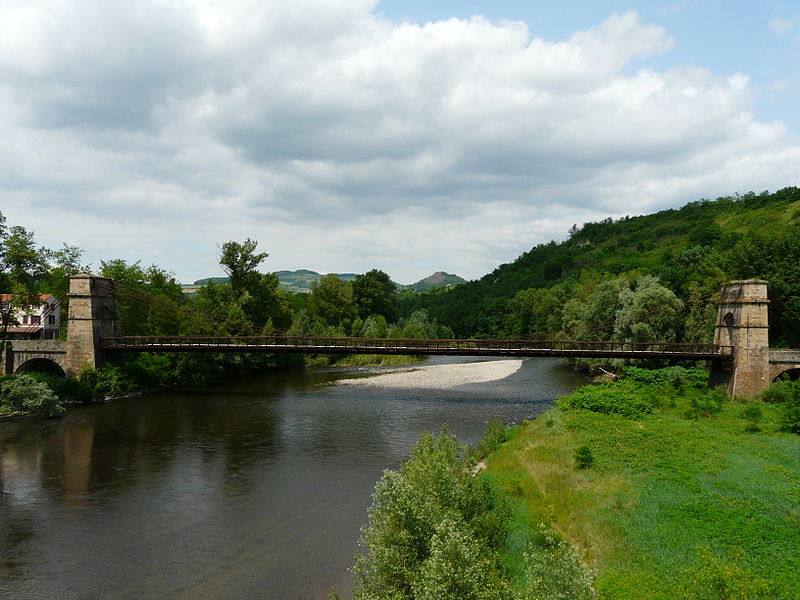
718	579
705	404
150	370
554	571
66	388
675	377
583	457
106	381
493	436
25	393
752	414
790	415
780	391
626	399
432	497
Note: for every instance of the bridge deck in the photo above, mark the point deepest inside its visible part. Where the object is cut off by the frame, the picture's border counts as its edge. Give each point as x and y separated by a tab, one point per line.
472	347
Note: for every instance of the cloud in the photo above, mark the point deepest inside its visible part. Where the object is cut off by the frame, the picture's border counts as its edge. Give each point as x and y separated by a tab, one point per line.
781	27
343	140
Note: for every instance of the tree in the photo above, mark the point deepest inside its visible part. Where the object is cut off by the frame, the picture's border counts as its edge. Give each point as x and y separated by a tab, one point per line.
23	267
240	261
332	299
375	294
259	295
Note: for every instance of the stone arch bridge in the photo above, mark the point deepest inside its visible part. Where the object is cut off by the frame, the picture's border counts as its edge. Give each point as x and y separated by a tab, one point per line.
740	356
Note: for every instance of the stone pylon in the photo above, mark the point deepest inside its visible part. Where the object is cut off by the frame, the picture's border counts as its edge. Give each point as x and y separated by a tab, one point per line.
743	323
92	316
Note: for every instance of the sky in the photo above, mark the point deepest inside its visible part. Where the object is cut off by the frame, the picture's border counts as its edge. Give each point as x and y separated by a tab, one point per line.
406	135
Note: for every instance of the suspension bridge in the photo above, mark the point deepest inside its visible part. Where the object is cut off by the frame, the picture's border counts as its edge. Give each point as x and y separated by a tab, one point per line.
740	355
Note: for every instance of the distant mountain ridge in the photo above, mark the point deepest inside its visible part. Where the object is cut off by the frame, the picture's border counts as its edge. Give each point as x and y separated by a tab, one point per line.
299	281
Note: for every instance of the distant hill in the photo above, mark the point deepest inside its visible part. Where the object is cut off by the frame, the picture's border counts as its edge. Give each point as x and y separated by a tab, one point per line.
439	279
299	281
699	244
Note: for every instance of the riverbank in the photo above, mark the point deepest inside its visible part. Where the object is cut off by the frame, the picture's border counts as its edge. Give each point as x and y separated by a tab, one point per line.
682	496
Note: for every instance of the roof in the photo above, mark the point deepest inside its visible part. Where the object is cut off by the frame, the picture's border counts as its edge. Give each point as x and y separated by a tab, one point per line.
42	297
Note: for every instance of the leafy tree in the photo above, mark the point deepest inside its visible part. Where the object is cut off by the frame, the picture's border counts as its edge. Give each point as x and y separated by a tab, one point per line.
23	267
332	299
375	294
240	261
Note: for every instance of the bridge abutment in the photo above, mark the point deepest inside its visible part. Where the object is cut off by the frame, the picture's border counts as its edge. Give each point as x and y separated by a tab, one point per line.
743	323
92	315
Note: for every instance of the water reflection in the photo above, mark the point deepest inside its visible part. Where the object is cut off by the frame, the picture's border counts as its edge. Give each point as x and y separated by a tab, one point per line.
249	488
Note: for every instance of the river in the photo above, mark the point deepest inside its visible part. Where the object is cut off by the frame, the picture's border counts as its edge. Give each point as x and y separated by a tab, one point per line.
247	488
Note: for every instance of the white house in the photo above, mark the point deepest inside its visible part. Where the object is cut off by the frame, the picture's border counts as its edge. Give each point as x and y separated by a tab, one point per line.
37	322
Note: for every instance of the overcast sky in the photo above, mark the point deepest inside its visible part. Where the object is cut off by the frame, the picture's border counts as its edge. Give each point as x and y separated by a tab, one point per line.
405	135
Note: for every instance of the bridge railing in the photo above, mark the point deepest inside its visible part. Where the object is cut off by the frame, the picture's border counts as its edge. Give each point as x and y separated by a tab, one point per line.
319	344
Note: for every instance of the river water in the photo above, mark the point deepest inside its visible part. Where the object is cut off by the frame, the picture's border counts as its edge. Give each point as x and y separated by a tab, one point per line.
248	488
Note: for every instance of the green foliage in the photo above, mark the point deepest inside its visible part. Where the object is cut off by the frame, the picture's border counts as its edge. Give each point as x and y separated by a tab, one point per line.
692	250
375	294
332	299
554	570
705	404
150	370
494	434
752	413
27	394
66	388
716	578
584	459
106	381
788	394
676	377
431	524
625	399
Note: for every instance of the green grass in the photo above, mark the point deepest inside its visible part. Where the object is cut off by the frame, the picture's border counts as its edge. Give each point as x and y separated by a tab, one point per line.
377	360
672	507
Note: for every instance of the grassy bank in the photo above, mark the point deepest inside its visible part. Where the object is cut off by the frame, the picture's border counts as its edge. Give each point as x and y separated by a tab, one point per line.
683	495
377	360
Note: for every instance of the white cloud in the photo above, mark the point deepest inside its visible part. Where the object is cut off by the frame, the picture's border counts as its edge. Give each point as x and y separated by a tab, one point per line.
781	27
343	141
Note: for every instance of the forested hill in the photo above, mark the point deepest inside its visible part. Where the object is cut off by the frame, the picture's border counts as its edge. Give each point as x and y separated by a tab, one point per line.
692	250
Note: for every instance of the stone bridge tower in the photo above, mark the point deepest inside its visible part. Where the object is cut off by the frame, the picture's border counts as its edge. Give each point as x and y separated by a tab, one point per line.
743	322
92	315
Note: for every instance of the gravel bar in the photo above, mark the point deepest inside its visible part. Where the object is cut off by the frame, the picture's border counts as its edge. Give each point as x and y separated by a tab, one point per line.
440	376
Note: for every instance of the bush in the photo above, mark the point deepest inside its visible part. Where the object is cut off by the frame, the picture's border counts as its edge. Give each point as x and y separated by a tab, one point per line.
25	393
719	579
554	571
675	377
625	399
150	370
66	388
790	415
780	391
107	381
426	519
583	457
705	404
493	436
752	414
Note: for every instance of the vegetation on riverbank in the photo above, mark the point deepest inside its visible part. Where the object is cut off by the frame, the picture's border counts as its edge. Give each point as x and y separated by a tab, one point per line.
665	489
436	532
681	494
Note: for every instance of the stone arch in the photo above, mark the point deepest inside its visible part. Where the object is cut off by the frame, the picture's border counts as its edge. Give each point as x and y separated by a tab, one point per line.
779	370
41	365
